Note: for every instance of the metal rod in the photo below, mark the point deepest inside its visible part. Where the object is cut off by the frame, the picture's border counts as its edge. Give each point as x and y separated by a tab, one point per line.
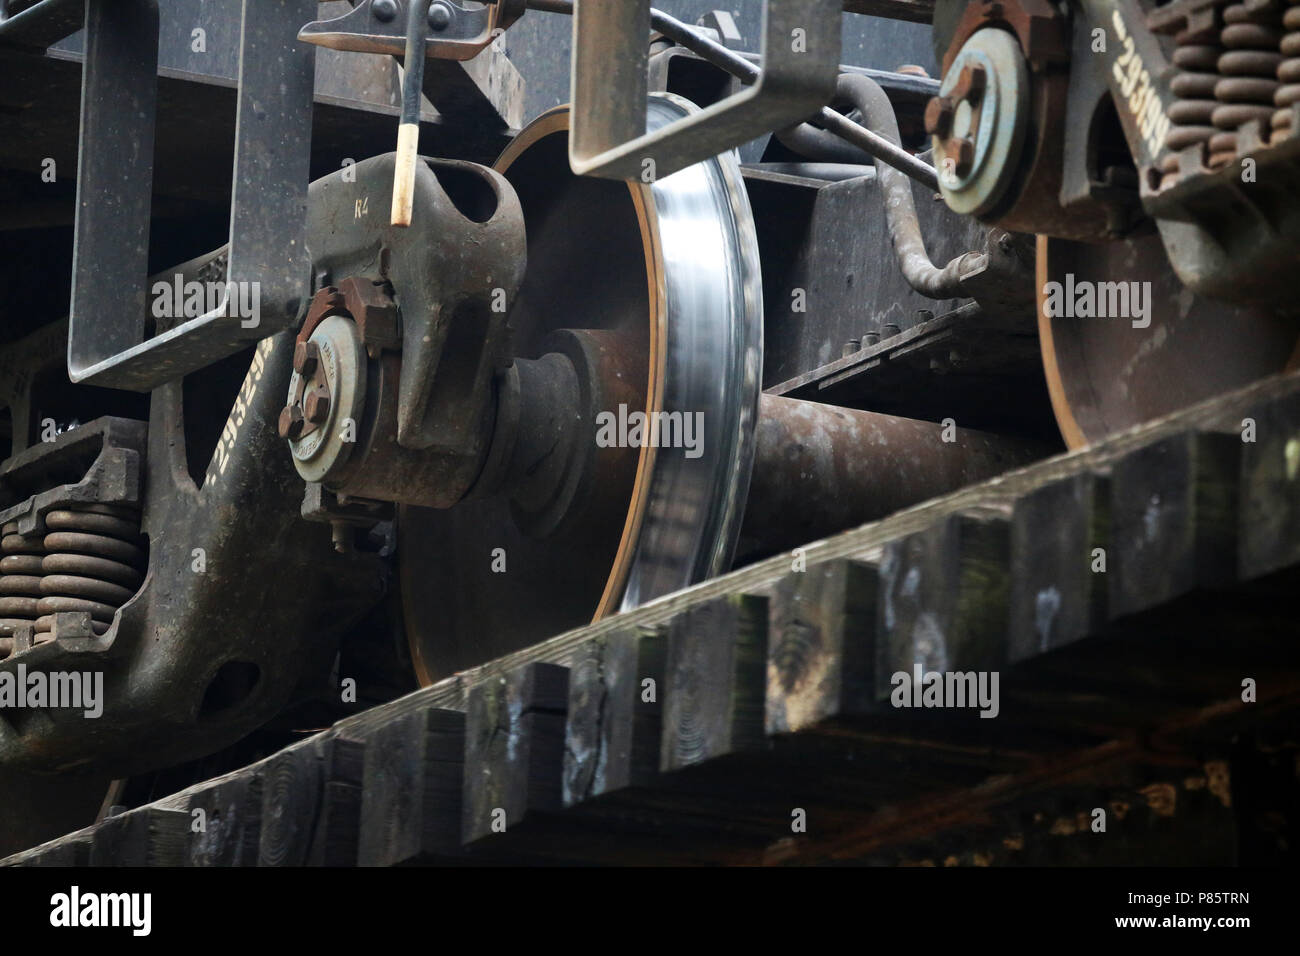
830	172
879	147
867	140
408	132
551	6
819	469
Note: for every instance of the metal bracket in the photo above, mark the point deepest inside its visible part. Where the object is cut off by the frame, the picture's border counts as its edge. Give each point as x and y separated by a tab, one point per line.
801	53
1137	72
269	264
379	26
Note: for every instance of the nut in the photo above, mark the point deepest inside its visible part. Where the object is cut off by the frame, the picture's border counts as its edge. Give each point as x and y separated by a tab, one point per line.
316	406
970	84
306	357
962	152
291	422
938	115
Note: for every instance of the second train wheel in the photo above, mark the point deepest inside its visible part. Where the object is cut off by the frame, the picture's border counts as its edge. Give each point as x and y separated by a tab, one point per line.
1105	374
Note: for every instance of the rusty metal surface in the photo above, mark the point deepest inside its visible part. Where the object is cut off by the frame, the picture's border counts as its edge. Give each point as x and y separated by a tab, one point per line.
671	270
819	469
1108	373
64	548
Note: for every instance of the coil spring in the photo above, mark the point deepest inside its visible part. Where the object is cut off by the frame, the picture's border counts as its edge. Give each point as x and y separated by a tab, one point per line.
94	561
1288	71
20	582
1251	34
1196	57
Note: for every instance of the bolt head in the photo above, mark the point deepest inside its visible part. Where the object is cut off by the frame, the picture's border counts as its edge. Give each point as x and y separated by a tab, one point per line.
439	17
316	406
306	358
385	11
963	153
938	115
291	422
970	84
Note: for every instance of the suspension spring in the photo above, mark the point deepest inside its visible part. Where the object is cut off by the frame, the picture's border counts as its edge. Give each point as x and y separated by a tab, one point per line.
94	561
1288	71
1251	33
1196	57
20	582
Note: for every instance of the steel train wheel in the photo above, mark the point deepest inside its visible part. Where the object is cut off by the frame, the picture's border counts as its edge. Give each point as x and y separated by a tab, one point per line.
1106	376
664	281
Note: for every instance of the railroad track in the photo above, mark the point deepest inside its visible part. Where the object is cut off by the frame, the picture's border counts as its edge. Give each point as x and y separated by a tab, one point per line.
1130	597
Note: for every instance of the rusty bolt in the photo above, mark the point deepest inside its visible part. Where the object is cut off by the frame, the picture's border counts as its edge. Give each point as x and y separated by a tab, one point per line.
962	152
291	422
306	356
970	84
938	115
316	406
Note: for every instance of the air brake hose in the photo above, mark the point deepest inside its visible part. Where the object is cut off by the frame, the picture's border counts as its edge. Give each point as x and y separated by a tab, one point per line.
866	95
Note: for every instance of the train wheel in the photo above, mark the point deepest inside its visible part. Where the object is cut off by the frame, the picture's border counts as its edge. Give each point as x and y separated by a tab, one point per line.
1168	348
657	284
